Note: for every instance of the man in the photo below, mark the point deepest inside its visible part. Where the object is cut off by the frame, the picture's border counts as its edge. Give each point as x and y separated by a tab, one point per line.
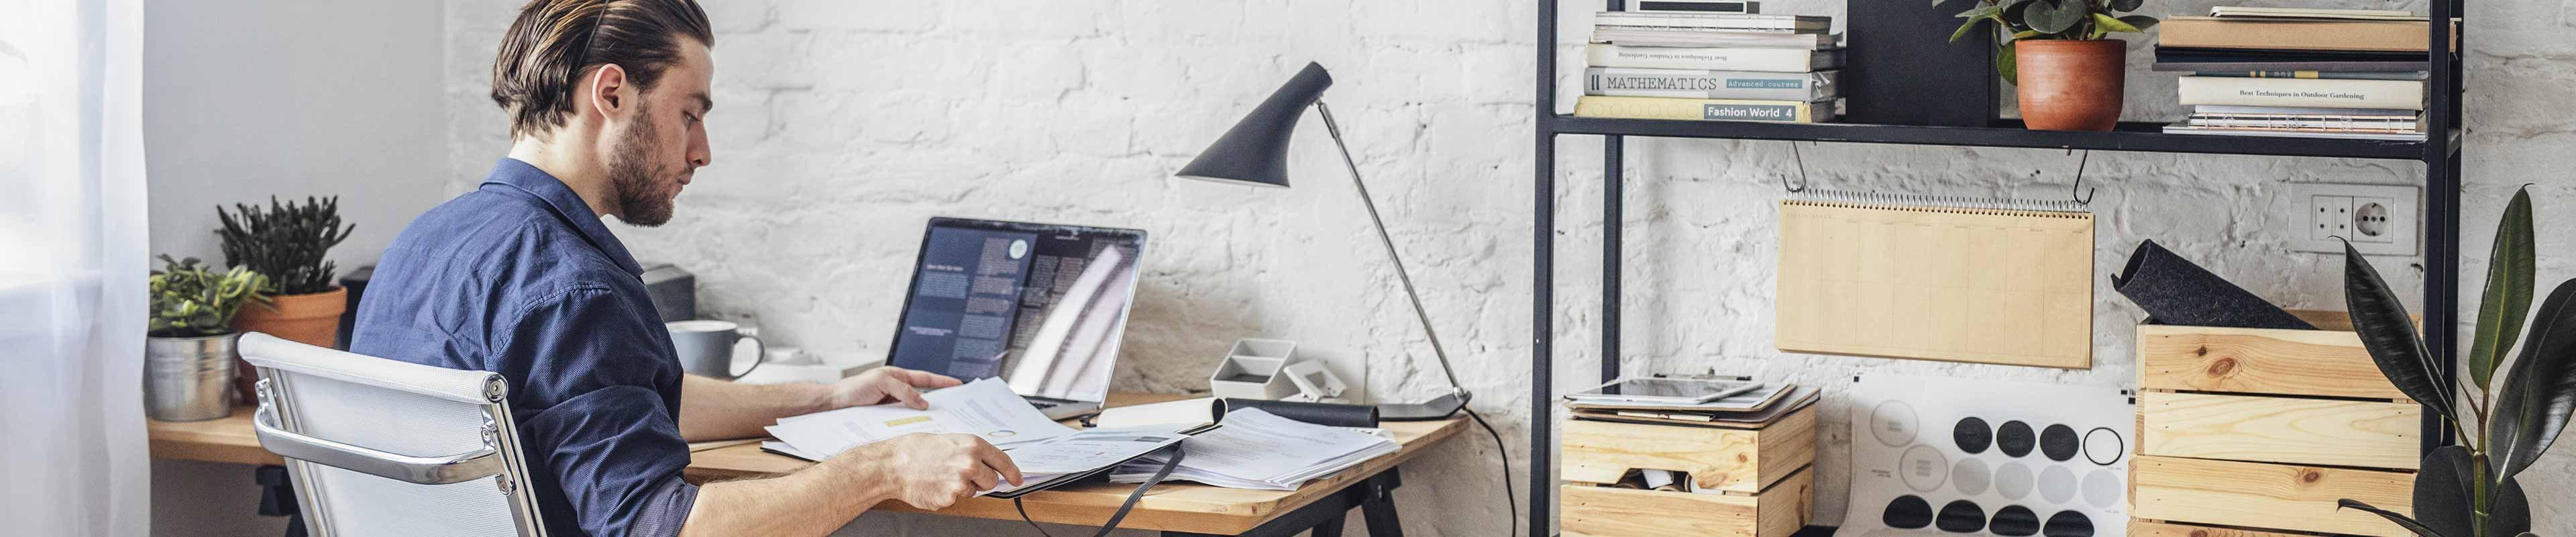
521	277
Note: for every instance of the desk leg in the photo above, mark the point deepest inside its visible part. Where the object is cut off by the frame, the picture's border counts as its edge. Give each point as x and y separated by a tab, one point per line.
1324	518
1332	527
1380	509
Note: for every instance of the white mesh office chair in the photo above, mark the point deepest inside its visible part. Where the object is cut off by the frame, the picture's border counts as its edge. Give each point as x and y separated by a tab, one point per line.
381	447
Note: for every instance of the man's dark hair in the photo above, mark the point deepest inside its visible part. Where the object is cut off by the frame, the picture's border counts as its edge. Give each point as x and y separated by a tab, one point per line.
554	42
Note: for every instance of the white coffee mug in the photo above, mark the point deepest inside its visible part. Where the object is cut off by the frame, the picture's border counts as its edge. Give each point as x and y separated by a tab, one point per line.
706	347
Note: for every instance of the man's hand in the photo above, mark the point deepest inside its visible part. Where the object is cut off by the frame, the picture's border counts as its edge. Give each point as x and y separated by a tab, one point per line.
934	471
882	384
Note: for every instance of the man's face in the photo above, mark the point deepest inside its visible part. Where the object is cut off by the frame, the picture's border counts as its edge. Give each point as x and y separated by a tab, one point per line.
664	141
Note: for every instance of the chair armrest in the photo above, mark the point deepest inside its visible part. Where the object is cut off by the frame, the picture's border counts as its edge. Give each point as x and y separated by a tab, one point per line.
457	468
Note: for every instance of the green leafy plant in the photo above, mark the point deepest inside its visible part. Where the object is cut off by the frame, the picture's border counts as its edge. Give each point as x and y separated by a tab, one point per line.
286	242
190	301
2468	490
2048	19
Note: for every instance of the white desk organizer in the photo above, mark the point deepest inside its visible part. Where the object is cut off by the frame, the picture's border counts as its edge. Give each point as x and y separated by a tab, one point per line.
1252	370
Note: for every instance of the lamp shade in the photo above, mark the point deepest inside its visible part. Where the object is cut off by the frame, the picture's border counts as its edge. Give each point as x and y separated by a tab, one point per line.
1255	151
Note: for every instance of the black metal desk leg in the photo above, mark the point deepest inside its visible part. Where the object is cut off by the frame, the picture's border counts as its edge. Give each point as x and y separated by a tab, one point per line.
1332	527
1379	509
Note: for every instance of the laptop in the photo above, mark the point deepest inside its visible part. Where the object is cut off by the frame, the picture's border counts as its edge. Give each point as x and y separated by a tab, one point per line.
1041	306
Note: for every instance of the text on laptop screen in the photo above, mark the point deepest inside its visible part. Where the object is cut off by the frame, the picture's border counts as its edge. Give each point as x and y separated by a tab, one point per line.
1042	307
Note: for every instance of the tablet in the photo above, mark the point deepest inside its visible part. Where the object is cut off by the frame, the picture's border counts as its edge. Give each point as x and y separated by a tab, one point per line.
1675	390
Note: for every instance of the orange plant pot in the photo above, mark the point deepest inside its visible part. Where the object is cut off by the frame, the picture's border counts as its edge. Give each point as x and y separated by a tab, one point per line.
311	319
2069	85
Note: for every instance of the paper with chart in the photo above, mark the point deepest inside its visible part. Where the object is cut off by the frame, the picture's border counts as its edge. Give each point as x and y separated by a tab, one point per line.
984	408
1943	456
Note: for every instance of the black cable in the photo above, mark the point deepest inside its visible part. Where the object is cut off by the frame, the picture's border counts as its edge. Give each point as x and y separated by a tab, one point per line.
1132	497
1510	500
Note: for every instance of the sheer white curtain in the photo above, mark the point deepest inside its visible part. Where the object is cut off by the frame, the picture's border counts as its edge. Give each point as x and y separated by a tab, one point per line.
73	257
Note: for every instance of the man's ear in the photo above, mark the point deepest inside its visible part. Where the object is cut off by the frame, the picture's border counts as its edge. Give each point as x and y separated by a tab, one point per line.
604	91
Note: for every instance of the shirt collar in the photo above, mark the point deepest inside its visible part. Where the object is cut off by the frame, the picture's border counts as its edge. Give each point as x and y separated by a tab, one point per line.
521	176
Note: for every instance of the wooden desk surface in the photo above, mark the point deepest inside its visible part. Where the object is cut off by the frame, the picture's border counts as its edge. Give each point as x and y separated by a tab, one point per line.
1189	507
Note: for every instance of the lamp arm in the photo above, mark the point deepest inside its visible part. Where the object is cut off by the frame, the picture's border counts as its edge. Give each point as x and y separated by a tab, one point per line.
1401	275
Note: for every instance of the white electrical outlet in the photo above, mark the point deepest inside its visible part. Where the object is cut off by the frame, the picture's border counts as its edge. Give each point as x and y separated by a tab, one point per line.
2378	219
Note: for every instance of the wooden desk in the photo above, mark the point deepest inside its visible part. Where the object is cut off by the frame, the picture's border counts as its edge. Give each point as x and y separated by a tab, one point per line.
1182	508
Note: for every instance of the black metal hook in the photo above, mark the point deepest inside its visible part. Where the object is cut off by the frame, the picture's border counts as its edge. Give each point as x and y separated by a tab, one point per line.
1802	171
2083	196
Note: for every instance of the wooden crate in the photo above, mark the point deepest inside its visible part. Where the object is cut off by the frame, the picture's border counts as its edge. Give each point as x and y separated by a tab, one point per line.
1730	459
2247	432
1590	510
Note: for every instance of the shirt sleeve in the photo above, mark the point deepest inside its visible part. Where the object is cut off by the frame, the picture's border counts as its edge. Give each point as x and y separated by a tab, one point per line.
603	432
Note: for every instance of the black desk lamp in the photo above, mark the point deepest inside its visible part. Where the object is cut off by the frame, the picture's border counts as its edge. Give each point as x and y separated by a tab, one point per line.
1255	152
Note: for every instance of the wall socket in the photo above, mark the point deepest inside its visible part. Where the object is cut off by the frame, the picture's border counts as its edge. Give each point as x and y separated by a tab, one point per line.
2378	219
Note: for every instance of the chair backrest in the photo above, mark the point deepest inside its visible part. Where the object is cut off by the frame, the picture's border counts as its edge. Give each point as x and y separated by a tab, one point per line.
382	447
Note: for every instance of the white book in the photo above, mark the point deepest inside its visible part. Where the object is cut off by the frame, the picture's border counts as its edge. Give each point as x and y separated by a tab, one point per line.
1728	21
2186	128
1781	60
2300	92
2312	13
2233	109
1666	37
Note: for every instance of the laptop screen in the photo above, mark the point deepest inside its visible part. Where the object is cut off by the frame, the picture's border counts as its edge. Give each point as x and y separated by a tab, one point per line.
1041	306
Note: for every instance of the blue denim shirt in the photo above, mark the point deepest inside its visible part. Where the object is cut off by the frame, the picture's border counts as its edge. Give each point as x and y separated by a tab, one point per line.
520	278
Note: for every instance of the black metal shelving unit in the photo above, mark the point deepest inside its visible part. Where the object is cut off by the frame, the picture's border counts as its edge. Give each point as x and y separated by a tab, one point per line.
2440	155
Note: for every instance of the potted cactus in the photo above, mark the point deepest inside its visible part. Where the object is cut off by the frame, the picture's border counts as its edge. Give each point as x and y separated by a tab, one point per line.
286	242
189	360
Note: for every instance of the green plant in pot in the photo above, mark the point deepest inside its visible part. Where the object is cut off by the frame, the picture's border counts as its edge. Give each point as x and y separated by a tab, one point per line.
2059	57
188	354
2468	490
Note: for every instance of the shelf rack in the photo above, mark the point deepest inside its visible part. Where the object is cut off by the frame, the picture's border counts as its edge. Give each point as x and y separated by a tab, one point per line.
2440	155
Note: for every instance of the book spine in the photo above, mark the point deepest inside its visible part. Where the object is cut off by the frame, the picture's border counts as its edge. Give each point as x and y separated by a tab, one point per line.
1704	59
1700	109
2330	75
1696	6
1801	87
2373	94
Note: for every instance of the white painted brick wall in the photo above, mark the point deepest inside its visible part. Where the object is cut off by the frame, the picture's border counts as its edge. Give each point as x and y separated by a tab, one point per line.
845	123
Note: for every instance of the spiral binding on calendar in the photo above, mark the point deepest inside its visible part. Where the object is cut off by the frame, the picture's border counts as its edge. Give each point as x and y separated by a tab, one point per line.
1844	197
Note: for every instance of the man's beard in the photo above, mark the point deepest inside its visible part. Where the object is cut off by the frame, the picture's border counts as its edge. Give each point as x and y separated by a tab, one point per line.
644	192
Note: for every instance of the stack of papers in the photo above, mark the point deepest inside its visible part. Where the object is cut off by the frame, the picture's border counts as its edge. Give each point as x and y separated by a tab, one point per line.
985	408
1760	406
1259	450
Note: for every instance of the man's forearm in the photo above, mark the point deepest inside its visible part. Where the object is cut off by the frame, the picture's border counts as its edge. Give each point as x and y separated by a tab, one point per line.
713	409
813	501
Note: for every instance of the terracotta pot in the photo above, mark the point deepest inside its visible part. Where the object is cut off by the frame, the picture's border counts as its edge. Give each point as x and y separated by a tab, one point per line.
2069	85
311	319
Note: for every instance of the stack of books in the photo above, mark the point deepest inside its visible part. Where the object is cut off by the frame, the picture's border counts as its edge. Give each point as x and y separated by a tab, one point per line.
1704	65
2318	73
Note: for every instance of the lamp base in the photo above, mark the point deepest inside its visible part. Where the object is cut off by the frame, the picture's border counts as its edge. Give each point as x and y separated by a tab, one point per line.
1438	408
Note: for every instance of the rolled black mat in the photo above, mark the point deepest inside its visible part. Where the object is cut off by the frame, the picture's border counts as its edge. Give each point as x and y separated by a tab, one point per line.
2175	291
1326	414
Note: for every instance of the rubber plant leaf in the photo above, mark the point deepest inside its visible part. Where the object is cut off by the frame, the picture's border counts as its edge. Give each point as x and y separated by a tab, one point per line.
2508	511
2125	6
2057	16
2401	520
2388	332
2005	62
2141	22
2508	296
2443	493
2539	388
2104	23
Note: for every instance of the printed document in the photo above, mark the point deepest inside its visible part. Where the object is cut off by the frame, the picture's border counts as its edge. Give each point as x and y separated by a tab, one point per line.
984	408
